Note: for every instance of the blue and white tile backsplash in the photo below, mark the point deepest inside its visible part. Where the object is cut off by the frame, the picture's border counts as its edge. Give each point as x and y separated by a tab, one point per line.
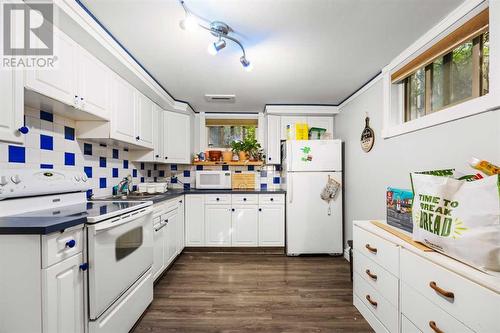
51	144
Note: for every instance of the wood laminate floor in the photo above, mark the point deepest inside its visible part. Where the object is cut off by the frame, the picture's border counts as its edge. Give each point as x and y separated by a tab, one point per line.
249	292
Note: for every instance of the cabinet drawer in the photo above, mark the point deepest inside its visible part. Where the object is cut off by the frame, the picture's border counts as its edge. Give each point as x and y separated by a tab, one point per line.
217	199
380	279
245	199
425	314
59	246
381	308
383	252
407	326
266	199
476	306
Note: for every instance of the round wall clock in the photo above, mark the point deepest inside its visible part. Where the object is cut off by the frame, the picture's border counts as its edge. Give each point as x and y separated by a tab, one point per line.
367	137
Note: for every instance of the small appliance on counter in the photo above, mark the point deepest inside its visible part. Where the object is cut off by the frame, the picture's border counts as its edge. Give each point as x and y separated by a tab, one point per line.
206	179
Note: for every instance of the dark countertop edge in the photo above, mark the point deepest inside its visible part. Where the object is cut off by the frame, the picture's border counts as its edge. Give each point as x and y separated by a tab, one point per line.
41	230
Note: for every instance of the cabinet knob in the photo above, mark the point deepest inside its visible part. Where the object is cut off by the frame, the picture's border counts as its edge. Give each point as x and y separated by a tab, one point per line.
244	199
137	137
24	130
217	199
272	199
166	157
71	243
84	266
260	209
269	158
233	209
157	156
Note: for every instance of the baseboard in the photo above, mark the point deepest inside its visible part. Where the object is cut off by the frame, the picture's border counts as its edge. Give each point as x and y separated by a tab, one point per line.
346	254
259	250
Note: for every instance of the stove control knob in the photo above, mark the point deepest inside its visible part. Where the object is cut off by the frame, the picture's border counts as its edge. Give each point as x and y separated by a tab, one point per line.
77	178
3	181
15	179
84	178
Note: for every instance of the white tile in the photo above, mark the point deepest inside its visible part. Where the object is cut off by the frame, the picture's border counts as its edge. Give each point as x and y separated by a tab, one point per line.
32	139
33	155
58	131
47	127
4	152
33	123
31	112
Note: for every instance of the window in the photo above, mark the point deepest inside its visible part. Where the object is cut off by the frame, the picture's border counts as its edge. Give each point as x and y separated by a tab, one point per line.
221	132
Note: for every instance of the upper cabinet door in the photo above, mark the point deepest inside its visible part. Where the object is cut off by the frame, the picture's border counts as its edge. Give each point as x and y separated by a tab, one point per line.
273	140
176	137
93	85
144	120
123	110
158	133
11	106
59	82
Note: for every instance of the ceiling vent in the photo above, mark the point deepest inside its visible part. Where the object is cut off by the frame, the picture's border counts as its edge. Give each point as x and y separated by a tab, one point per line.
220	98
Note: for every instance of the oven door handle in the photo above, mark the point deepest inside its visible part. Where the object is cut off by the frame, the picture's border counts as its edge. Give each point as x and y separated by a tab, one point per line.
124	219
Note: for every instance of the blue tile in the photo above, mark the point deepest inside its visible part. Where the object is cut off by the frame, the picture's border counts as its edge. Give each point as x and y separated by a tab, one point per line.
88	171
155	166
173	180
251	168
102	182
87	149
225	168
134	188
187	186
187	173
173	167
115	172
134	172
199	167
17	154
278	168
263	187
102	162
142	166
46	116
69	159
161	173
89	193
46	166
263	173
103	145
115	153
276	180
46	142
103	210
149	173
155	179
125	164
142	179
69	133
125	149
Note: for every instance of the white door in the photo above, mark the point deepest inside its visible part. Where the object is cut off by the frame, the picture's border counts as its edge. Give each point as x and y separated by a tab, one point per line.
272	225
325	122
273	140
312	225
158	247
314	155
180	225
11	106
172	234
245	225
290	120
123	110
62	296
195	220
93	85
144	120
59	82
176	139
218	225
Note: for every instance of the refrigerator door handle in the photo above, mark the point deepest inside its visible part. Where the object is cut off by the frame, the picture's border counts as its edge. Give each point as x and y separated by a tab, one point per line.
290	186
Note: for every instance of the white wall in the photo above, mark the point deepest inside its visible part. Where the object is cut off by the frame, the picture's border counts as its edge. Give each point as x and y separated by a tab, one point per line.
367	175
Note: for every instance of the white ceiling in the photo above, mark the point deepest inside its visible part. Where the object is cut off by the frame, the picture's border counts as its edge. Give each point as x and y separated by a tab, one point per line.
303	51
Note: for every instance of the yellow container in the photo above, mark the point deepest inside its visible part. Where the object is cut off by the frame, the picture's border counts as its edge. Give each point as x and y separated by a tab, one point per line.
301	131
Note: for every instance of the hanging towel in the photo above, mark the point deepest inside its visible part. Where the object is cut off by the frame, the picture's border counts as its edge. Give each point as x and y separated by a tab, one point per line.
330	190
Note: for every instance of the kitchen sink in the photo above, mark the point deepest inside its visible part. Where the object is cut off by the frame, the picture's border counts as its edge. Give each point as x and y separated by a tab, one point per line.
132	196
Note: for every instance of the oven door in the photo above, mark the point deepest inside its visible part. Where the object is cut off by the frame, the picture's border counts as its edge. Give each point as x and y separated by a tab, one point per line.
213	179
120	251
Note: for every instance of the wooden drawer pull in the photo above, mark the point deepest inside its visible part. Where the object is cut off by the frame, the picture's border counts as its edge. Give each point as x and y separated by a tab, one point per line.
441	291
370	274
372	302
434	327
371	249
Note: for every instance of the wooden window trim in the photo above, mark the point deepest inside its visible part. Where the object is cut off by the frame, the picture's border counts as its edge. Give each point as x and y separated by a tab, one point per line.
469	30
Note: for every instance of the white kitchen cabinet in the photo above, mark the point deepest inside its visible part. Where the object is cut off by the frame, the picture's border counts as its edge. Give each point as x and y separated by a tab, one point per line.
195	220
171	237
244	225
176	137
144	119
158	145
273	150
181	239
11	106
218	225
272	225
62	296
123	111
159	242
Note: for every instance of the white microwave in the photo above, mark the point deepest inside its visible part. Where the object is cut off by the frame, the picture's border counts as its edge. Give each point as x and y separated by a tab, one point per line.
213	179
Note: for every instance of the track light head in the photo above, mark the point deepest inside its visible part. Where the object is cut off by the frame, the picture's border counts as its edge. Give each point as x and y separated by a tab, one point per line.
215	47
247	65
189	23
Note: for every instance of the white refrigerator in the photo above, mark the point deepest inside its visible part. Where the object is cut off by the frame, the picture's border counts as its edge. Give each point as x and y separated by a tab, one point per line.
313	226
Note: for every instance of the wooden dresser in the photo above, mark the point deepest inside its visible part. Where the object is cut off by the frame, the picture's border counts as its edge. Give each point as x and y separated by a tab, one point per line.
400	288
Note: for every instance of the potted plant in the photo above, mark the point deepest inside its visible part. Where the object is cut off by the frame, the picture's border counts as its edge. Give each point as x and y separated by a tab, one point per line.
238	147
227	156
253	148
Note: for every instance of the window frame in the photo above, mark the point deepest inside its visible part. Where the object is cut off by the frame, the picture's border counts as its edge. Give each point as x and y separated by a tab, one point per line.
393	93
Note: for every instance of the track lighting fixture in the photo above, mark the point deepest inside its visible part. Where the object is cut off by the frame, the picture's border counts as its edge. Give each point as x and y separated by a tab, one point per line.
219	29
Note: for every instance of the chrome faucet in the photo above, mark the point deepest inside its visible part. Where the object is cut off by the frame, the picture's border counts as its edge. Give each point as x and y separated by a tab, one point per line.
124	186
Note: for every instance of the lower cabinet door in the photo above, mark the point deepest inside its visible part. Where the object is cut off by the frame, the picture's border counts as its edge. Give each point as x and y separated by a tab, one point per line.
158	248
171	239
272	225
195	220
180	226
218	225
245	225
62	296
